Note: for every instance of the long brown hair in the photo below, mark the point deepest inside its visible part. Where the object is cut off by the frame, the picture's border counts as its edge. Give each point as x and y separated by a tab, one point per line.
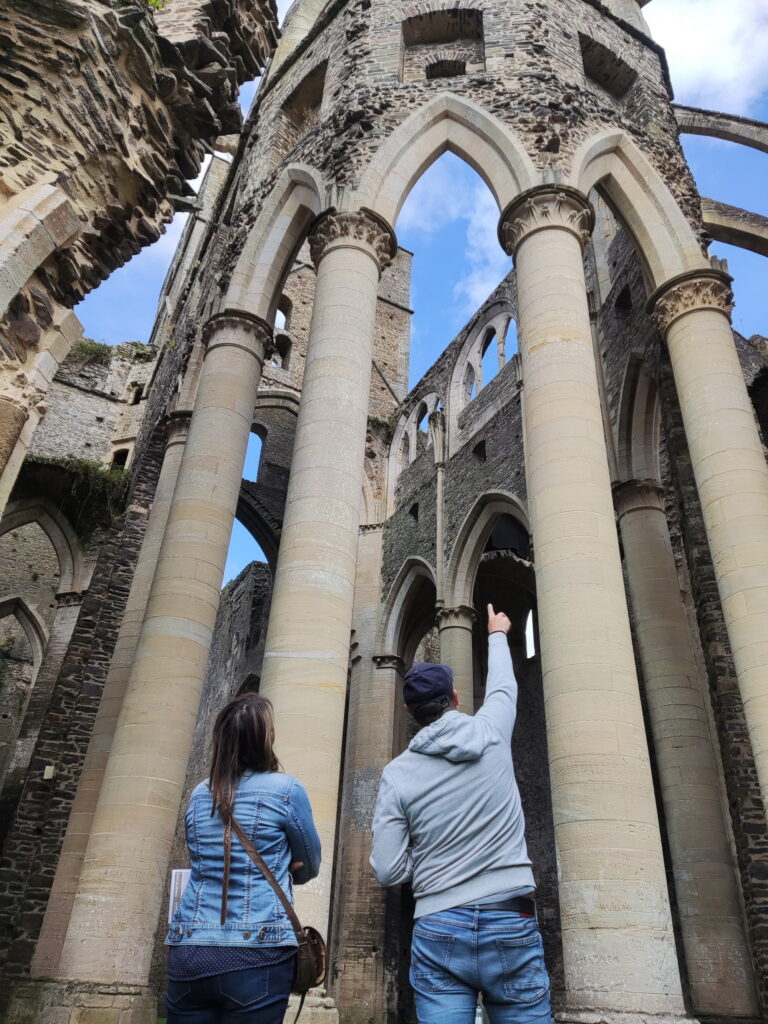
242	741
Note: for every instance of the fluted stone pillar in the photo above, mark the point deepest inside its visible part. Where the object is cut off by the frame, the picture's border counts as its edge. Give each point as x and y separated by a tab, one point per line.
693	313
122	880
48	949
711	917
306	658
456	650
618	942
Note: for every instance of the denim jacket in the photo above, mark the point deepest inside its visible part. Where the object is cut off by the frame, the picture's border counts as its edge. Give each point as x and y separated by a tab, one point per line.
273	810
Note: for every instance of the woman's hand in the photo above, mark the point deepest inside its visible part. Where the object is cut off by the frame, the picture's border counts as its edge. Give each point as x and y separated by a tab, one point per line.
296	866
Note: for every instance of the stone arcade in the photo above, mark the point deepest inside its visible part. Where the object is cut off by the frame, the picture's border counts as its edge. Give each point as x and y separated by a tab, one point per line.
609	483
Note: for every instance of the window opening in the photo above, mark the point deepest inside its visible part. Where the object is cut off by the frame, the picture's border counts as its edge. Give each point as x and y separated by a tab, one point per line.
603	67
301	111
530	636
470	383
446	69
491	360
413	512
509	535
426	37
511	340
120	458
284	313
252	466
623	304
138	394
243	550
281	355
479	452
422	422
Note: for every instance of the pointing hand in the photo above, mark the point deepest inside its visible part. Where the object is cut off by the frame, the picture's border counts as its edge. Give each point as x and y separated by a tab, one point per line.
497	621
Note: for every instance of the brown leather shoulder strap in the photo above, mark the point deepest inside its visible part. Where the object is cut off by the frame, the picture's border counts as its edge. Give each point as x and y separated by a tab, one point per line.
257	859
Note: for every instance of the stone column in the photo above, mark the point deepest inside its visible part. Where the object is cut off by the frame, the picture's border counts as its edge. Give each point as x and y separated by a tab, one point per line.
456	650
65	883
437	436
711	917
693	313
122	880
364	977
618	940
306	658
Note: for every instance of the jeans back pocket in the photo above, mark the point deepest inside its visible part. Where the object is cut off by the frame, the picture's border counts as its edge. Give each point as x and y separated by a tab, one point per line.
525	976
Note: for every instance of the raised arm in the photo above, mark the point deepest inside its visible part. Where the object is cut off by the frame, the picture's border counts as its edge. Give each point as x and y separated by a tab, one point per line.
391	857
500	704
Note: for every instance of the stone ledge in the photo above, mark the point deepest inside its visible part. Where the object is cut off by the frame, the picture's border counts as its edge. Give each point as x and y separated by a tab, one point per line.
80	1002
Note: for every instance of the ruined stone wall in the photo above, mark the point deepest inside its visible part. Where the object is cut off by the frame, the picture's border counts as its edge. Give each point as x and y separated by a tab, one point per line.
137	96
559	72
91	403
34	812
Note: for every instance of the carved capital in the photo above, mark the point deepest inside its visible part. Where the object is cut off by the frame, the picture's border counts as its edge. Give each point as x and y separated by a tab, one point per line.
542	209
698	289
235	328
637	495
363	227
462	617
390	661
177	427
18	390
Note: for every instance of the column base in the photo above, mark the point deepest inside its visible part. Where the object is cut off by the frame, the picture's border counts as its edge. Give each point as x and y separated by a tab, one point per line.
621	1017
318	1009
80	1002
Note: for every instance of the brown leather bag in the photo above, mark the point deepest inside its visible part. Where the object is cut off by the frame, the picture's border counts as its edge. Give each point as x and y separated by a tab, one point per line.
311	960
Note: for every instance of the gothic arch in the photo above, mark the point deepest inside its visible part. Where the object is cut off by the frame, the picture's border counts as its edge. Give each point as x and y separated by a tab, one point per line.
471	541
616	167
404	447
446	124
29	620
497	316
274	241
72	572
639	424
412	577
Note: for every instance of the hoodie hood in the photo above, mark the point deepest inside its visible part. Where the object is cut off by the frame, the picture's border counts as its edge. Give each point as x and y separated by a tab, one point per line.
455	737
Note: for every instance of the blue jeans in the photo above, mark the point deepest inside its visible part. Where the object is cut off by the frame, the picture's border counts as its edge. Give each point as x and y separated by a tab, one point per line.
459	953
256	996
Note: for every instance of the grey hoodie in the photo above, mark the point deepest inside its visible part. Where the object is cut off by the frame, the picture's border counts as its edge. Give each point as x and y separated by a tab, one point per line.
448	814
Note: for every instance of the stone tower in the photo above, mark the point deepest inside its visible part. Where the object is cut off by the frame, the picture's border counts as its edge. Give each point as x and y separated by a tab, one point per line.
609	484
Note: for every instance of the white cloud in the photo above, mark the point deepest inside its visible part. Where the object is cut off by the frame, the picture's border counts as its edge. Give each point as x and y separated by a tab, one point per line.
487	263
448	193
282	9
716	50
434	201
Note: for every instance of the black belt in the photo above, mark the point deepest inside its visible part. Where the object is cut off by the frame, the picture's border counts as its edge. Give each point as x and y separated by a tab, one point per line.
520	904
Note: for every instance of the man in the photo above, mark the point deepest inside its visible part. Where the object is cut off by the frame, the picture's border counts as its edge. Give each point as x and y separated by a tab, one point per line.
448	818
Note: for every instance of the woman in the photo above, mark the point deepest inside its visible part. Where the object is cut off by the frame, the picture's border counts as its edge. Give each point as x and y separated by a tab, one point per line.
233	950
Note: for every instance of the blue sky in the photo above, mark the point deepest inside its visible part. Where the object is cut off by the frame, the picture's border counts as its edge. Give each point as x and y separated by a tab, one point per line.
717	59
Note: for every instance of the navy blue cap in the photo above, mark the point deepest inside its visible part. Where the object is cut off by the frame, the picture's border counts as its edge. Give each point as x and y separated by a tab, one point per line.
425	683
